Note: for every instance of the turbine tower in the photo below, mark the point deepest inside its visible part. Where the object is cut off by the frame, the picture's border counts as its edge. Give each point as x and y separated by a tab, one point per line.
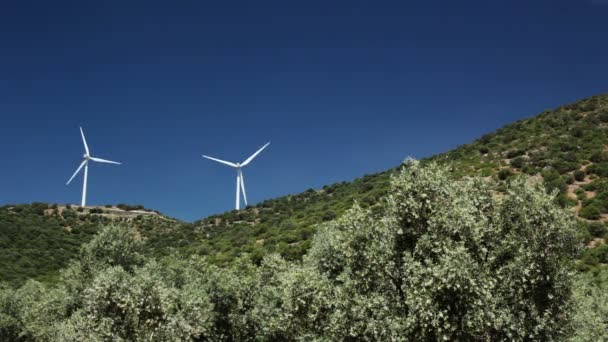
240	181
85	164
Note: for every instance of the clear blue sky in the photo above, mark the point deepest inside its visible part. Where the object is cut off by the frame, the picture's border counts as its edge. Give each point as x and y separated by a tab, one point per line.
341	88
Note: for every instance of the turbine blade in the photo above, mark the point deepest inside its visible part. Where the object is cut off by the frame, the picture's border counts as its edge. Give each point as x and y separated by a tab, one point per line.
248	160
243	188
77	170
99	160
221	161
84	141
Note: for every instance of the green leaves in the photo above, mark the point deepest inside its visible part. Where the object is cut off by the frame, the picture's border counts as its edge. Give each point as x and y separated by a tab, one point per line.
449	260
440	260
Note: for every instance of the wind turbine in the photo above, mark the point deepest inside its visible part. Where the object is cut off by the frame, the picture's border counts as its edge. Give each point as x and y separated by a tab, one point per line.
85	164
240	181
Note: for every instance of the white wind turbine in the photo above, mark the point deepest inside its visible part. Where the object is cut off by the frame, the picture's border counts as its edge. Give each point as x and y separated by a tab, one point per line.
85	164
240	181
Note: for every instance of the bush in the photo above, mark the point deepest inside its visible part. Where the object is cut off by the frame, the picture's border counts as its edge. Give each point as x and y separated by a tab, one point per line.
598	156
127	207
590	212
563	166
597	229
600	169
579	175
569	179
503	174
514	153
517	162
530	170
554	181
329	215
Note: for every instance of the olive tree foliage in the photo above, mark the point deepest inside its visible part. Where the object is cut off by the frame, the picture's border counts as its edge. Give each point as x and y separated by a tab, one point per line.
591	297
438	260
110	294
449	260
293	303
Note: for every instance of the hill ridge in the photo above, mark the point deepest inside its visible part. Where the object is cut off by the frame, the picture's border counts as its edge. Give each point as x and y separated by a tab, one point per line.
567	147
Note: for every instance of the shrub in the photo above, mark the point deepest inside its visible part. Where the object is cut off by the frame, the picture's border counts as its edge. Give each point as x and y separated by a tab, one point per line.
580	194
530	170
127	207
597	229
503	174
578	132
553	181
563	166
39	208
600	169
329	215
599	156
514	153
579	175
517	162
590	212
569	179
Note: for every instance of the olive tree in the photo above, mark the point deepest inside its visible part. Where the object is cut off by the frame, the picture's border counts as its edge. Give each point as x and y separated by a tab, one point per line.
440	259
591	315
450	260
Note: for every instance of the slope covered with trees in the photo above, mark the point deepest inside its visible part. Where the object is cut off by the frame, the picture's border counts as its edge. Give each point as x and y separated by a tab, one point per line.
438	259
566	147
39	239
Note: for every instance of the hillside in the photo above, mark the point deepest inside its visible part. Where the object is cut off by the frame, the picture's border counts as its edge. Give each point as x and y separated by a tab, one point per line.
39	239
567	147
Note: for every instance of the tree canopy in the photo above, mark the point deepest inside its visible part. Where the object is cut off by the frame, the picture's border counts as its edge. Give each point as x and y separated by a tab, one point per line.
441	260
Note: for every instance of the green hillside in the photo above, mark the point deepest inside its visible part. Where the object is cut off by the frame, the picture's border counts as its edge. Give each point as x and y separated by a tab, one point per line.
442	260
39	239
567	147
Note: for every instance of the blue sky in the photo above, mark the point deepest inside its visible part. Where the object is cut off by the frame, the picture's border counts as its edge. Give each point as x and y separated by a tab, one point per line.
341	88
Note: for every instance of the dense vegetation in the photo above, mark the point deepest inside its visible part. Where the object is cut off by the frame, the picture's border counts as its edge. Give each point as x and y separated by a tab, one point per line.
567	147
39	239
35	244
437	259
